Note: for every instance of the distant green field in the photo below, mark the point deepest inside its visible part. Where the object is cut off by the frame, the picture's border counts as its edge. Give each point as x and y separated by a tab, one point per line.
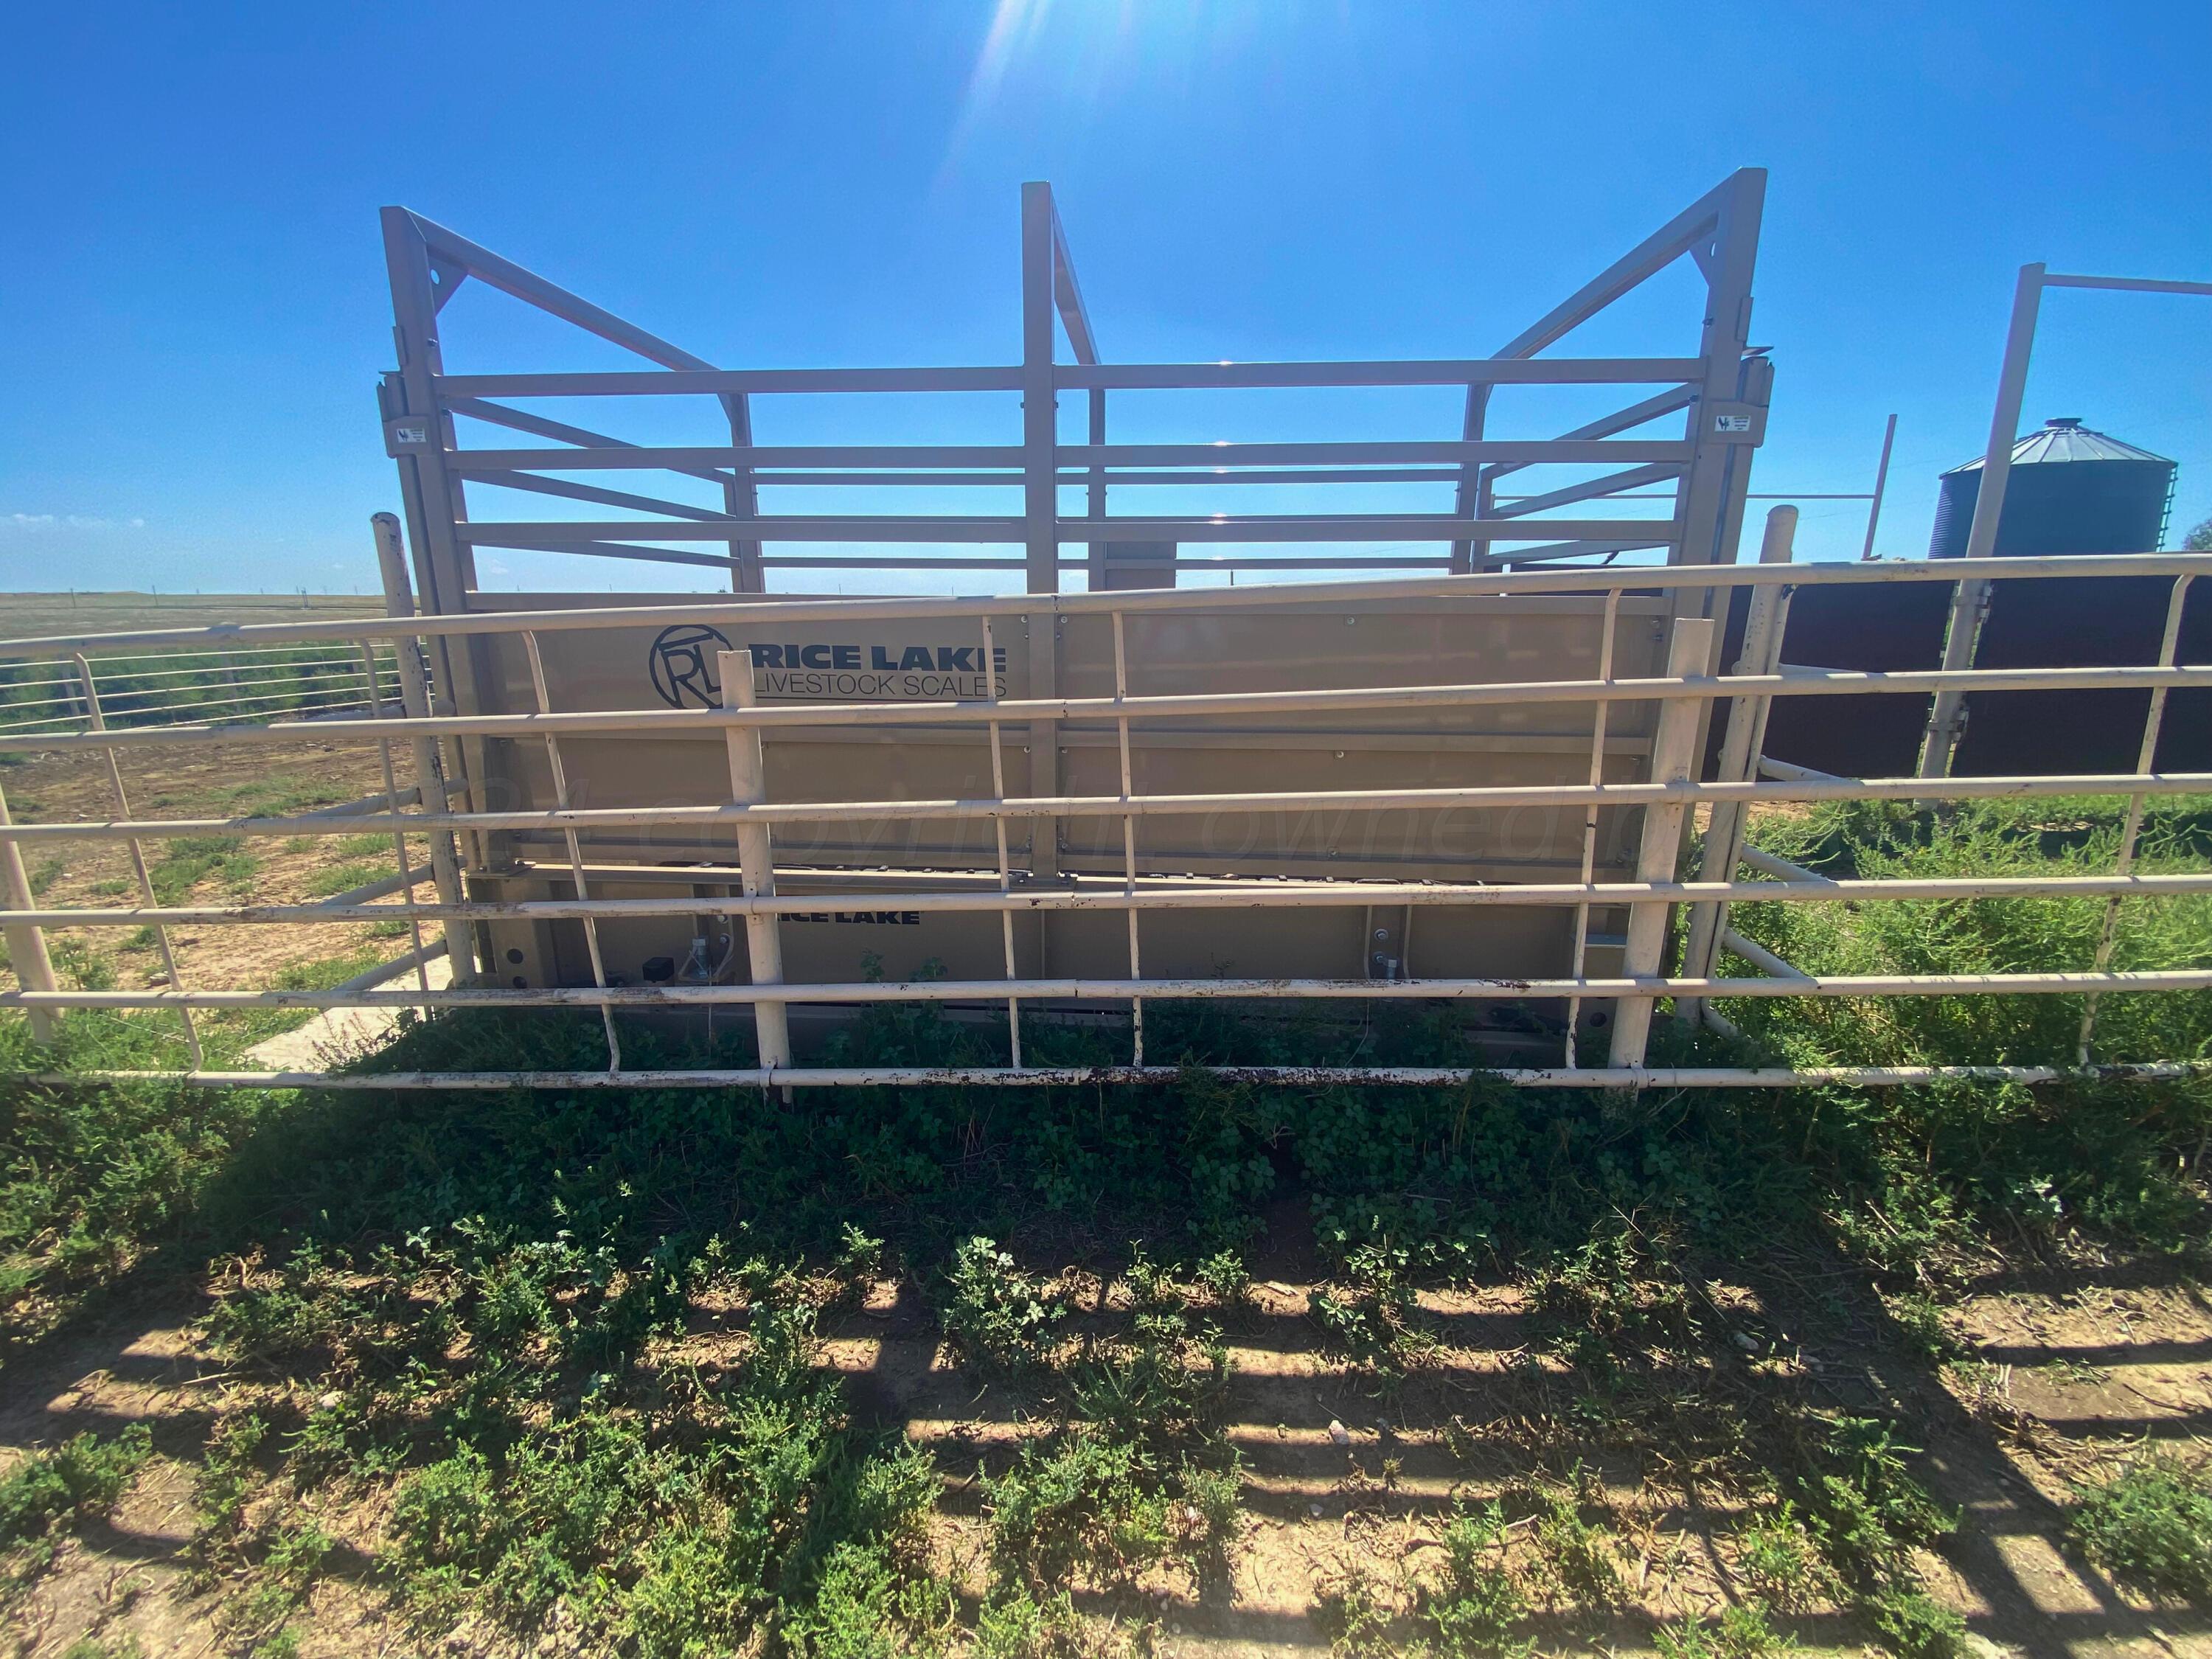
36	615
158	684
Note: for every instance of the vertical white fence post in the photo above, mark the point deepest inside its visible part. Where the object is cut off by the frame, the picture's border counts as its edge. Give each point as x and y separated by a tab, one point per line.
1673	758
756	861
27	943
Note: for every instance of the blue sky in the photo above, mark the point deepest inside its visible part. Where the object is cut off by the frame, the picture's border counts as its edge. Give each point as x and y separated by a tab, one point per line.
194	312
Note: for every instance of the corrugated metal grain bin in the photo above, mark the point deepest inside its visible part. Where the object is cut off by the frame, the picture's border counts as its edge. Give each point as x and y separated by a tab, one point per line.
2072	490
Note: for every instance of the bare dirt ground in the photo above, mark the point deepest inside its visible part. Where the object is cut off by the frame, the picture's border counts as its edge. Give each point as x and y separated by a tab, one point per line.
222	780
1343	1473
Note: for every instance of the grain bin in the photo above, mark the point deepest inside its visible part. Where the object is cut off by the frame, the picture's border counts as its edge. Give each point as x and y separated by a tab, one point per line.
2072	490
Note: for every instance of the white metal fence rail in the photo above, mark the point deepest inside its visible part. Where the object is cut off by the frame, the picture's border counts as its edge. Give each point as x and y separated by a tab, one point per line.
1744	779
173	687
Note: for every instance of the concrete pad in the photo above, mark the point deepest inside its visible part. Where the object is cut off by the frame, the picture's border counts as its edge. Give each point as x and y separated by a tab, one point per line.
339	1034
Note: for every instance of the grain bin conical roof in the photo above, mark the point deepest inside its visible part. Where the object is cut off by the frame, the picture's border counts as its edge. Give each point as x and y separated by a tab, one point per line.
2065	438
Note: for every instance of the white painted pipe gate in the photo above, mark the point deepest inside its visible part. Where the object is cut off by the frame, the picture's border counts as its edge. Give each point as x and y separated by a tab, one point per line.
1667	796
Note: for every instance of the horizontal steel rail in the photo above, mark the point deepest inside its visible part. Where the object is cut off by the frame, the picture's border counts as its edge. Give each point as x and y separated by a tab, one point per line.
1474	796
963	1077
1481	585
1006	458
1174	706
716	382
989	991
890	528
1230	895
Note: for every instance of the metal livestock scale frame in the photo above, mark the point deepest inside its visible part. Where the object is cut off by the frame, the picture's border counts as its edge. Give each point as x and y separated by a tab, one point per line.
1412	703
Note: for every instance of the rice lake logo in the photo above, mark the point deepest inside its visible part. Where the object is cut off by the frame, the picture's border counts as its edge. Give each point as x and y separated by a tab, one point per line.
682	662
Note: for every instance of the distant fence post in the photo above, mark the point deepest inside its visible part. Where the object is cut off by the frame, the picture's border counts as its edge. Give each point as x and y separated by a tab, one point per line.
27	943
756	861
1673	758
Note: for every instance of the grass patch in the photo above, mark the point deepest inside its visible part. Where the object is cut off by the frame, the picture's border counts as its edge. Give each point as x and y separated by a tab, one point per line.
79	1480
2150	1527
343	878
369	845
188	860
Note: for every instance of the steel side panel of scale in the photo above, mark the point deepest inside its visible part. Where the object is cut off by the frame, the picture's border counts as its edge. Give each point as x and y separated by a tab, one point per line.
855	931
1403	642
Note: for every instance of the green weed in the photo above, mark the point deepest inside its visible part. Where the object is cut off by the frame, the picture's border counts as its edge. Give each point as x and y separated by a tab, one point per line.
1576	1562
1779	1556
1740	1633
1101	1511
997	1316
1012	1624
1371	1315
1159	1390
79	1480
1474	1605
2150	1528
336	878
1225	1277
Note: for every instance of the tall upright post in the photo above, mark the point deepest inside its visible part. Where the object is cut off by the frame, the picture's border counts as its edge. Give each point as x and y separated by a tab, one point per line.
430	771
755	859
999	831
1094	556
1716	428
1040	505
741	499
1673	756
27	942
1727	421
1472	496
1880	485
1765	620
419	432
1947	714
